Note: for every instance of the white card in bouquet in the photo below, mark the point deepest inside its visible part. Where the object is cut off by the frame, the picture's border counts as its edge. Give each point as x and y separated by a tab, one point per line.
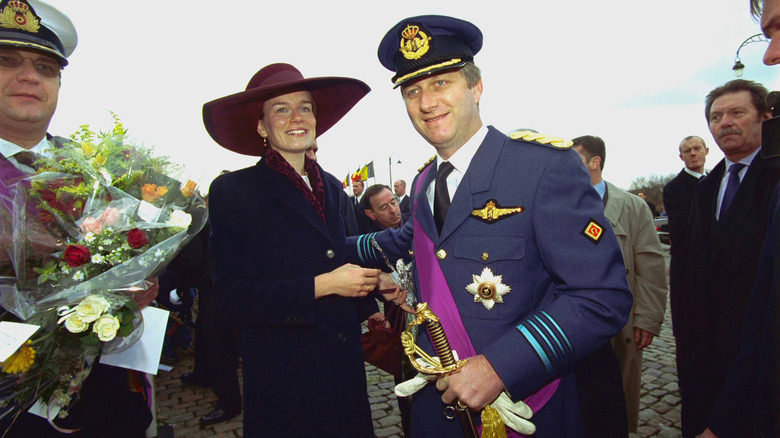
144	355
148	212
13	335
41	409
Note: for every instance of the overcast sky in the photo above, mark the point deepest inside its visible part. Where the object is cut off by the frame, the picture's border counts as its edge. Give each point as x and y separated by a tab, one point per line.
634	73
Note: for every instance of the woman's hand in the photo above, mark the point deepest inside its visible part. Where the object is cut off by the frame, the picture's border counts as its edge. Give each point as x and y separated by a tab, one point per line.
348	281
392	292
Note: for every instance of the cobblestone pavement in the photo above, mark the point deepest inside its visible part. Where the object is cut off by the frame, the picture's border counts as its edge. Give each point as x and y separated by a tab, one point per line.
180	406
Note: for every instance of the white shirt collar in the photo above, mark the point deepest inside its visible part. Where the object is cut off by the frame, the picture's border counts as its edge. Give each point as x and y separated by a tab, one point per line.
462	157
696	175
9	149
746	160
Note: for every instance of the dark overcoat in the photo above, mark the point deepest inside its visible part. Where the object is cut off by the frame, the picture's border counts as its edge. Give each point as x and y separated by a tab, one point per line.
748	404
568	294
302	360
678	199
721	264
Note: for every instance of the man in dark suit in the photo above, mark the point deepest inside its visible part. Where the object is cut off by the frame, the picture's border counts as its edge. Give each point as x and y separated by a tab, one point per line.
403	199
727	227
750	400
511	247
678	195
382	208
363	221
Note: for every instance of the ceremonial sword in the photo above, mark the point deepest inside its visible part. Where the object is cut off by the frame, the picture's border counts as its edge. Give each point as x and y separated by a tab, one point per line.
446	358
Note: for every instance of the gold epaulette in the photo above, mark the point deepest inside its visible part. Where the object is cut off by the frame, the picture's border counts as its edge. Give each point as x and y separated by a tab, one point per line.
536	137
430	160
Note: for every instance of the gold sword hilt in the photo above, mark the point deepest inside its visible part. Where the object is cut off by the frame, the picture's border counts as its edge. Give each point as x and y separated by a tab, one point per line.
447	363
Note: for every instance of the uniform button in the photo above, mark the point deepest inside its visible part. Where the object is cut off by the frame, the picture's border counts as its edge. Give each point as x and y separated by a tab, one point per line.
441	254
628	340
330	253
342	337
485	256
288	320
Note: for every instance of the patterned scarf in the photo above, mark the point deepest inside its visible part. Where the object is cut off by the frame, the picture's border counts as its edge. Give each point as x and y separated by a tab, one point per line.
315	195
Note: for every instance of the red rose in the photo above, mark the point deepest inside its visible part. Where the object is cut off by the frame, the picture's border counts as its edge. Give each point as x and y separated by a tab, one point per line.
76	255
136	238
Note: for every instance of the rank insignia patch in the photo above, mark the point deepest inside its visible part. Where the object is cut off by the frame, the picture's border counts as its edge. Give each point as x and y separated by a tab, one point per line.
488	289
593	231
492	212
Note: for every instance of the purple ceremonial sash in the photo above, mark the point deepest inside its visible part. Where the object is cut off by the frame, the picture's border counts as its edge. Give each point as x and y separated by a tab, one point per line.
435	291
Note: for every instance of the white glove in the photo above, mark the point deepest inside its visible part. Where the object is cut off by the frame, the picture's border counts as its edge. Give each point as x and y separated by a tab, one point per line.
174	296
514	415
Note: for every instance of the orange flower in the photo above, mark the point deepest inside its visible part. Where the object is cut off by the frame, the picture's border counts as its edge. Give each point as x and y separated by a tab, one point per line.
151	193
188	189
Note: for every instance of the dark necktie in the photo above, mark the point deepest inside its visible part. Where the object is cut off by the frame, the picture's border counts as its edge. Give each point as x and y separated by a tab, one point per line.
441	197
26	158
731	189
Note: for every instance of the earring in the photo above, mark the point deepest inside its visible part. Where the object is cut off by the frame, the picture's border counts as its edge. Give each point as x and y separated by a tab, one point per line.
265	141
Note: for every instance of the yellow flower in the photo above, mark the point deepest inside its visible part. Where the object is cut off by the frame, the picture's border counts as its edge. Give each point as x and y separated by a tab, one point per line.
101	159
21	360
88	149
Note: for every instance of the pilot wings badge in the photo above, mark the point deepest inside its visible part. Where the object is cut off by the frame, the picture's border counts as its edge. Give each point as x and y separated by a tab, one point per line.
492	212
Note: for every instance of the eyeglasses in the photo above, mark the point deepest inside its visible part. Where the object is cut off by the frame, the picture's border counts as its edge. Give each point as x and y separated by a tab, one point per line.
43	66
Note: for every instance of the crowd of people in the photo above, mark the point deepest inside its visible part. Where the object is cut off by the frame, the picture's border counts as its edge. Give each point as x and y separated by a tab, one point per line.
547	281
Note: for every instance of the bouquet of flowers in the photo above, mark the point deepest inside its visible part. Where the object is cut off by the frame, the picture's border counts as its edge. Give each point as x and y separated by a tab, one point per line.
83	233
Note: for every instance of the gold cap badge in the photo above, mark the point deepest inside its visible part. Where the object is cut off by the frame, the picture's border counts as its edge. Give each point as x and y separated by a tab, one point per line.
593	231
414	42
492	212
17	15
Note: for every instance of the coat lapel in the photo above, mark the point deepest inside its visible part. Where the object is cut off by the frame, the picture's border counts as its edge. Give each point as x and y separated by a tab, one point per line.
614	205
476	180
742	204
422	211
287	194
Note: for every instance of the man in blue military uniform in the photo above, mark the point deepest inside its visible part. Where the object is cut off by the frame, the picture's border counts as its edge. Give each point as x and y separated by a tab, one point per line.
511	247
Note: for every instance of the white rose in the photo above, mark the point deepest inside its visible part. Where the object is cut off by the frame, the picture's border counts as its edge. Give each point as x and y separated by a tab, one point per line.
179	219
92	307
106	327
75	324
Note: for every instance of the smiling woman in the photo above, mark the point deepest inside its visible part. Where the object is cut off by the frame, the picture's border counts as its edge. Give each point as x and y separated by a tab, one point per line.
278	244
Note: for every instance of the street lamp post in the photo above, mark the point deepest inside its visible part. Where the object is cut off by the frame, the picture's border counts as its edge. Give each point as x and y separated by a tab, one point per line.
390	165
739	67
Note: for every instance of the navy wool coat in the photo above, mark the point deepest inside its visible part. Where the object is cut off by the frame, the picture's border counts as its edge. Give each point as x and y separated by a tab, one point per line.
303	367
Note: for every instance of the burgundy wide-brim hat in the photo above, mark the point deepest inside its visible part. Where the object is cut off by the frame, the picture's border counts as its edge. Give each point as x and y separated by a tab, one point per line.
232	120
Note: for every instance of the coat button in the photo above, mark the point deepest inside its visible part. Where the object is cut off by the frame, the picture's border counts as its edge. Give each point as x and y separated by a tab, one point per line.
330	253
628	340
441	254
342	337
485	256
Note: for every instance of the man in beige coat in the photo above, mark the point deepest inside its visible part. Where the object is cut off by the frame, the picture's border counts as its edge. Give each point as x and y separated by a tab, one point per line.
645	270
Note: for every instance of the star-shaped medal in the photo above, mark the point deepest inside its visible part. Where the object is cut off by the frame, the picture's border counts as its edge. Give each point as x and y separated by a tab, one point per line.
488	289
